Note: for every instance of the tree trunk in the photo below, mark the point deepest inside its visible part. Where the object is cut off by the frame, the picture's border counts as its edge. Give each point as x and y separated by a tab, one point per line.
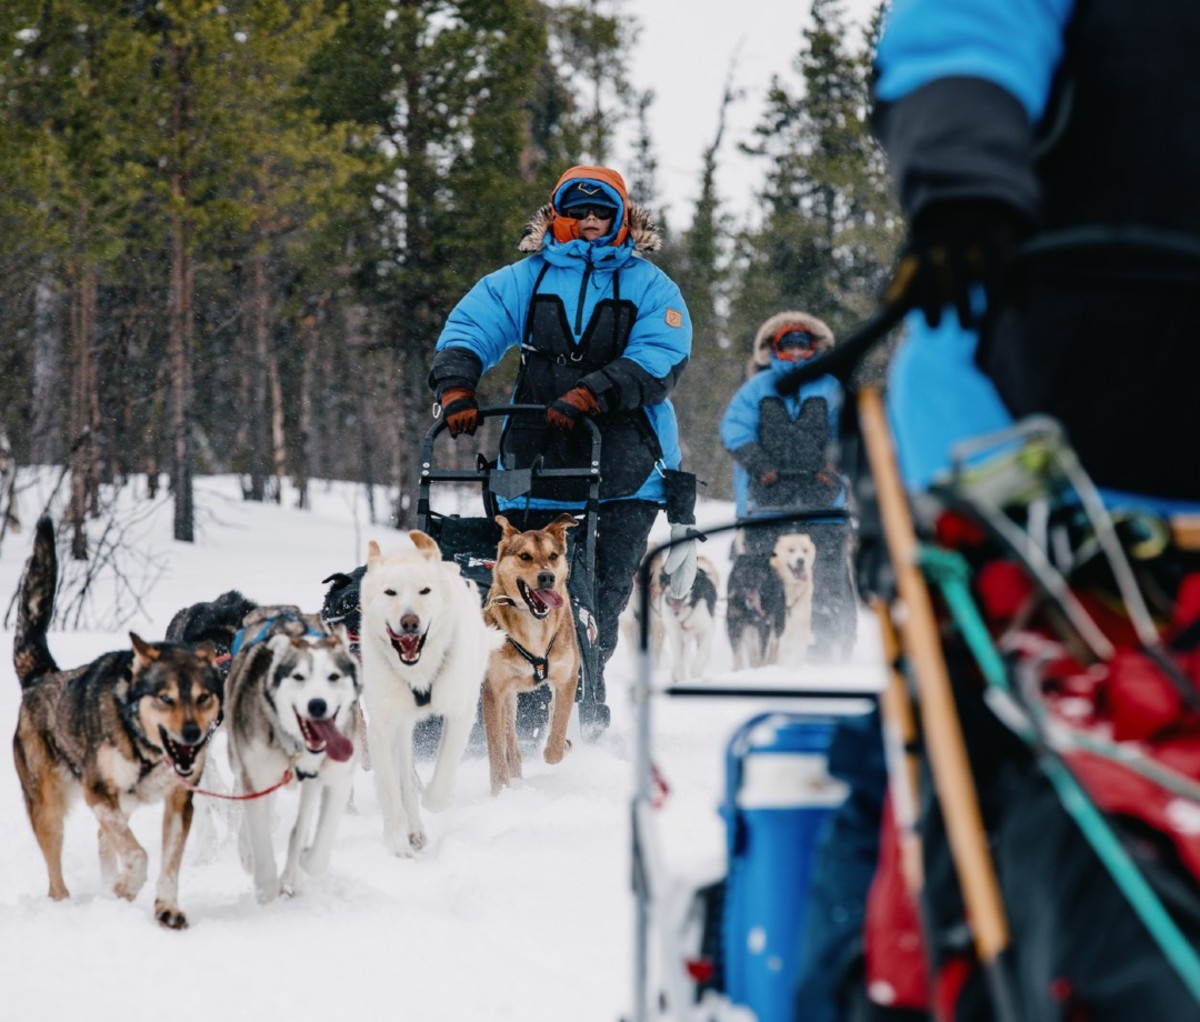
411	425
357	345
261	387
82	413
180	328
310	352
180	349
45	445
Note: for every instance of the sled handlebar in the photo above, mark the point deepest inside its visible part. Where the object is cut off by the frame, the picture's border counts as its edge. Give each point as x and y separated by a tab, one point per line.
492	411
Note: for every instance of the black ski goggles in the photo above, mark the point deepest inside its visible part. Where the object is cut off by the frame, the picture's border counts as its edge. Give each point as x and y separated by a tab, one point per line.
583	212
791	338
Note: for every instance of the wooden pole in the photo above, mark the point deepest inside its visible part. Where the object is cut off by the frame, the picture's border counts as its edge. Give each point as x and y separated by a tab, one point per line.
952	779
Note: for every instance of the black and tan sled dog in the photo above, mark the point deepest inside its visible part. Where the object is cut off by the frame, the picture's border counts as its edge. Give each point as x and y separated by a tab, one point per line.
528	601
122	730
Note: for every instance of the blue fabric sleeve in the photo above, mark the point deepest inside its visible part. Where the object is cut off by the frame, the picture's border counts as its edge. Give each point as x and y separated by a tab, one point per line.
653	343
491	316
1015	44
739	424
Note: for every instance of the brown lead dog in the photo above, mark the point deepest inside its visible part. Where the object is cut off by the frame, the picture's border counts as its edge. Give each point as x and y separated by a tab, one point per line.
528	601
125	729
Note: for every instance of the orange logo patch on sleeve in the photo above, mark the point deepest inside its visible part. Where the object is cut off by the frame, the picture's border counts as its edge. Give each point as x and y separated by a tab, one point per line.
674	317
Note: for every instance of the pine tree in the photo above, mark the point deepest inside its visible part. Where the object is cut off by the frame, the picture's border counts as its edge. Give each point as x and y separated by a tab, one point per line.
830	223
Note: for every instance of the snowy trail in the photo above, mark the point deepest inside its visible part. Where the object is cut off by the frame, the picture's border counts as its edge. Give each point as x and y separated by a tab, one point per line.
520	907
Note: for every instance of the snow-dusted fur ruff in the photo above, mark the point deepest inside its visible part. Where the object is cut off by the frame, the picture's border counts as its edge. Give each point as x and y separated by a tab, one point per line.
642	229
761	355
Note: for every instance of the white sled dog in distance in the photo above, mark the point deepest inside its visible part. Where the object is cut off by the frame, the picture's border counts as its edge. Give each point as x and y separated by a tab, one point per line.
424	648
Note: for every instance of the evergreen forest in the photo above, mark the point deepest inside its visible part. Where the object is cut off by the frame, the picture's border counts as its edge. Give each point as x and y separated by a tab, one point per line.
230	230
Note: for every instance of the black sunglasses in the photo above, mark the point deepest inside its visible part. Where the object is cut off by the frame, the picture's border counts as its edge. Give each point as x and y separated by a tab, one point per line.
583	212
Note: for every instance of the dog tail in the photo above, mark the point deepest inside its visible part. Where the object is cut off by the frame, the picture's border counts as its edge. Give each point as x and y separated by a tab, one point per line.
35	607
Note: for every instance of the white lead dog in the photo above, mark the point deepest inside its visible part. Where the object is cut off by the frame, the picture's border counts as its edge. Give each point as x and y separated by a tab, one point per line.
424	648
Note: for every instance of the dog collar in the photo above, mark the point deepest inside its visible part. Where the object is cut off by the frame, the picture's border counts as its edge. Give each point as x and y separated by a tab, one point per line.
540	664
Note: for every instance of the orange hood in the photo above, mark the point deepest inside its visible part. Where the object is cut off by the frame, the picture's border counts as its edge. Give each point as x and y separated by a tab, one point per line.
565	229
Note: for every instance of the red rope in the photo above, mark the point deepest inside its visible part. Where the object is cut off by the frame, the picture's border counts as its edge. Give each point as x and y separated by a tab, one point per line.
659	788
287	776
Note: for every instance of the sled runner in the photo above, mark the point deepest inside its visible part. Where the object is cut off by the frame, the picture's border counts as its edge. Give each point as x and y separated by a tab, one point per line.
471	541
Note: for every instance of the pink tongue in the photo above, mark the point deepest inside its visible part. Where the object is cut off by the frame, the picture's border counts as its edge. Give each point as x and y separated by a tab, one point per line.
549	597
337	745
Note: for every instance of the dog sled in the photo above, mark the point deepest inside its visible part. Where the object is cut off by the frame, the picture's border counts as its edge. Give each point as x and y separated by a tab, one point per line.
721	946
1042	726
470	541
1036	850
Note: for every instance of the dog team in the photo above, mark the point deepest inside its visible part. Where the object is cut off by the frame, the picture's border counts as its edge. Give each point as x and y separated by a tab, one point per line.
134	726
406	632
769	609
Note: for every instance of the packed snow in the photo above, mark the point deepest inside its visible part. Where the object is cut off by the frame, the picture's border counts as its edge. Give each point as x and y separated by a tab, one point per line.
519	907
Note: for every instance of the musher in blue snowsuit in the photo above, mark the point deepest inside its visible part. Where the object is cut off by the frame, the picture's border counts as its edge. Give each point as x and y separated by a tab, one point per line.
781	460
604	333
779	445
1046	155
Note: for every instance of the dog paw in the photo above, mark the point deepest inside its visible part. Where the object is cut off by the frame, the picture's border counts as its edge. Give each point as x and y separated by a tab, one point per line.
553	756
436	799
129	885
170	916
314	862
416	840
267	892
399	844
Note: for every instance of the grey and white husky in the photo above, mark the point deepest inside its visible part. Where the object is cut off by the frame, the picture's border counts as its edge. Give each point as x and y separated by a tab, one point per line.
292	711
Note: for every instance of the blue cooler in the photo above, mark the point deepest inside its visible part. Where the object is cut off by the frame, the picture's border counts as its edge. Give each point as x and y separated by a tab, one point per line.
778	794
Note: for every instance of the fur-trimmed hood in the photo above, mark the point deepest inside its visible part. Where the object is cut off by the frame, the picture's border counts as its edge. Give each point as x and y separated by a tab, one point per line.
760	356
642	230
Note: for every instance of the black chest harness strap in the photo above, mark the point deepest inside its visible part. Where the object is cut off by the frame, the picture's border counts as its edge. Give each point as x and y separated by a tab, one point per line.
540	664
576	356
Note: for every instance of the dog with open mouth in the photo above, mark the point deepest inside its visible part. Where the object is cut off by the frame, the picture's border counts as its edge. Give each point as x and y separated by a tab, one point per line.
293	697
689	620
129	728
631	616
424	647
528	602
793	558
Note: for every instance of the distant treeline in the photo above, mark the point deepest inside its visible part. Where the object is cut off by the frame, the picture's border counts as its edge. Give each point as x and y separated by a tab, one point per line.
231	230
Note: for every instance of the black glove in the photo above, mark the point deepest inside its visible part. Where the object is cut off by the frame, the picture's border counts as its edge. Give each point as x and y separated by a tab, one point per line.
953	246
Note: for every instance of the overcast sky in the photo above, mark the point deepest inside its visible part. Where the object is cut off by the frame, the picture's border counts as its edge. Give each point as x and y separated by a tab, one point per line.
685	53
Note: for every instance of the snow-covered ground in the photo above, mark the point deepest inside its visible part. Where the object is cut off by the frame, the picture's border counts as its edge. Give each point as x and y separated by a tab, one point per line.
520	906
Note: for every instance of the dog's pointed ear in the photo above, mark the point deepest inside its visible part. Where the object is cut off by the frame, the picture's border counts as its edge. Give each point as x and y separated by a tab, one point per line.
426	544
506	527
560	525
373	552
206	650
142	649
